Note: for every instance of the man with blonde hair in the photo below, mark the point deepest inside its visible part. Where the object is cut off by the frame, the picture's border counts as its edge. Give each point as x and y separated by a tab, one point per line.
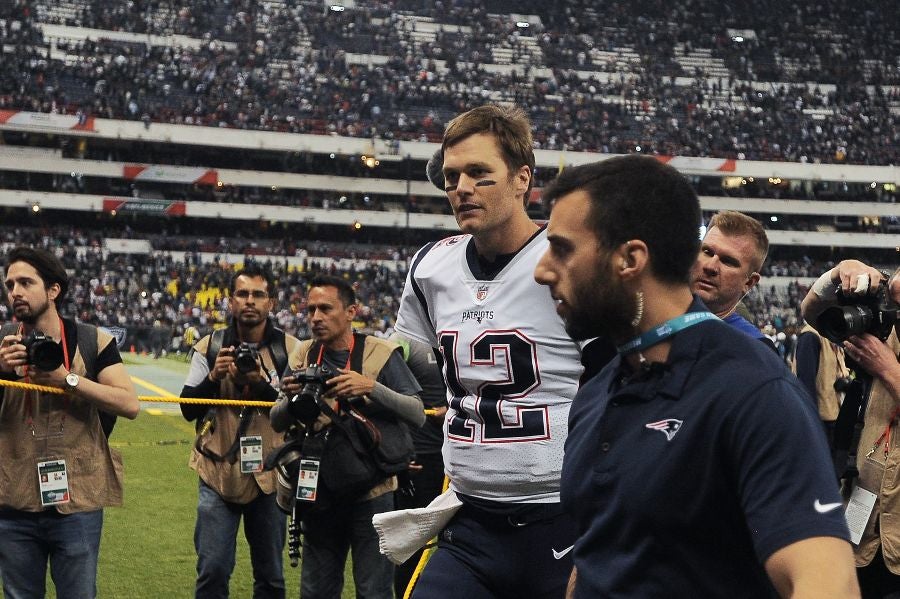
727	269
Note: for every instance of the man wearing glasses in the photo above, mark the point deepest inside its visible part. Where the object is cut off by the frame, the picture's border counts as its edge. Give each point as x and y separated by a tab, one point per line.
242	361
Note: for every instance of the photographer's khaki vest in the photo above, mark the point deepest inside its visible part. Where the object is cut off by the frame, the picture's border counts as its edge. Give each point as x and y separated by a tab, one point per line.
64	427
376	353
224	476
880	474
831	368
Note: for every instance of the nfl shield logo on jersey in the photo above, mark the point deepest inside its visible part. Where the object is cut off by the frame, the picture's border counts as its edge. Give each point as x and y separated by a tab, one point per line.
481	293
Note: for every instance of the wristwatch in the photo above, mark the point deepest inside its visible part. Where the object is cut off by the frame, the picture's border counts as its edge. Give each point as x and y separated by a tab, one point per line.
72	381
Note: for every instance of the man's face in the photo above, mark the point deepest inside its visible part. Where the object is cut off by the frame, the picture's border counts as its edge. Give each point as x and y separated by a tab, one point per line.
483	193
723	272
329	319
250	301
581	274
26	292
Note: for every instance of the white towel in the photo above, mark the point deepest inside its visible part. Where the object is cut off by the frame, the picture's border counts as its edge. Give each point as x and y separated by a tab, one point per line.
403	532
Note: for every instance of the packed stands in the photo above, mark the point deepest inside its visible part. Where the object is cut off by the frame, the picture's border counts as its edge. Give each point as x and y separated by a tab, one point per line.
693	80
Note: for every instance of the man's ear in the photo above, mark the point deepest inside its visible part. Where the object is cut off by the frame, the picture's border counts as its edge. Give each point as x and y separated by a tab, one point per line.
352	311
53	291
634	257
522	178
751	281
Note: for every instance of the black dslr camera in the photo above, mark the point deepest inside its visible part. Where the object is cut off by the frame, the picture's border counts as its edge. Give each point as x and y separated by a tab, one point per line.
858	314
43	352
246	358
305	405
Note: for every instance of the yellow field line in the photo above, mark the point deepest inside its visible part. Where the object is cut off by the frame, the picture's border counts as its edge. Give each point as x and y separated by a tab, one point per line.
152	387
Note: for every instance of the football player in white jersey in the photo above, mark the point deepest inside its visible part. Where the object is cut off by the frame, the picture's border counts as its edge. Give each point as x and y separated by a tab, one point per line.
511	370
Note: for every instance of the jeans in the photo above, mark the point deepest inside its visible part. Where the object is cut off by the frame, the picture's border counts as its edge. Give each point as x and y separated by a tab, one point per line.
328	534
215	541
71	542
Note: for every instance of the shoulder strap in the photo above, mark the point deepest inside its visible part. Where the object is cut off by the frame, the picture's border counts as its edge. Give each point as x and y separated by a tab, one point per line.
278	348
89	350
87	344
8	328
215	344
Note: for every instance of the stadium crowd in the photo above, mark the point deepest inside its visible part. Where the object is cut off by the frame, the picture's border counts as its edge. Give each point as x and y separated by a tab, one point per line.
156	298
697	80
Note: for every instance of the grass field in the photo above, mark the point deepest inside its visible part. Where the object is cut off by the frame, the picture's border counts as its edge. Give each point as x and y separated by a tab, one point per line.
148	548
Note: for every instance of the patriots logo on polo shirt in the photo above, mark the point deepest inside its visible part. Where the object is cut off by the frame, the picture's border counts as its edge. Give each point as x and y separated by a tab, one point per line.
669	427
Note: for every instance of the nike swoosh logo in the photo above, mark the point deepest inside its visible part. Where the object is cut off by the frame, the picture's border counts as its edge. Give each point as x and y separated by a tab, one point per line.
561	554
824	508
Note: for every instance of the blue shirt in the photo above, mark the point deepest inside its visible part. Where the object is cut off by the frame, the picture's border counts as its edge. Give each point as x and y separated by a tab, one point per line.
684	483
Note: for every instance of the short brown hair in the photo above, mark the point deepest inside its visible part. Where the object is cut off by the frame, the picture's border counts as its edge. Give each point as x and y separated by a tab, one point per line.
734	223
511	127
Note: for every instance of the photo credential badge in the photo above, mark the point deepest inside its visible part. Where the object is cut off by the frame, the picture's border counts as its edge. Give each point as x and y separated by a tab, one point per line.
54	482
251	454
307	480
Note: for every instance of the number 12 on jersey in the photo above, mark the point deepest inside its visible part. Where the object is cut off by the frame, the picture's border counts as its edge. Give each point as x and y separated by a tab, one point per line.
502	367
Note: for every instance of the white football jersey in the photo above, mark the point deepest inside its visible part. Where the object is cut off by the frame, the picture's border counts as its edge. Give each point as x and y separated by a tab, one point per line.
510	367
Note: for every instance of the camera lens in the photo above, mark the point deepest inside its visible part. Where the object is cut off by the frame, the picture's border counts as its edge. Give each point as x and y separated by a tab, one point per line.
245	359
43	352
840	322
305	405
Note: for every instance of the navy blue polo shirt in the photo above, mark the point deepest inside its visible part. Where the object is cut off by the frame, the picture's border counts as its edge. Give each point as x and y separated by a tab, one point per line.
684	483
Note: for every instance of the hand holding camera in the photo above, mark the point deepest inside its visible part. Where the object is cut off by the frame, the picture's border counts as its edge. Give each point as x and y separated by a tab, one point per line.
241	362
863	302
37	350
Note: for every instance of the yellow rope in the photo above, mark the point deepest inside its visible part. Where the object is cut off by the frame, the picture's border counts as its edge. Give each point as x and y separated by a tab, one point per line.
156	398
253	403
429	548
213	402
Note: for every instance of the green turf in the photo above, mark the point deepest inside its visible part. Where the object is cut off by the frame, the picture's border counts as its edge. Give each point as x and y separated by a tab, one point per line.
148	549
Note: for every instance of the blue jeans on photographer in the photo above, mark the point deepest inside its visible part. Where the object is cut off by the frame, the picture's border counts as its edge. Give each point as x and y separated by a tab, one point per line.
215	538
71	542
327	536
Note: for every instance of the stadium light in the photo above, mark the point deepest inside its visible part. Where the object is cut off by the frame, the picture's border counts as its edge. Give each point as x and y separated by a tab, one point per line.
337	7
523	24
738	38
35	207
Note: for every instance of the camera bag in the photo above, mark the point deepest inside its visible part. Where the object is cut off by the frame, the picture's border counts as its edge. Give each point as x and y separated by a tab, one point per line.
348	448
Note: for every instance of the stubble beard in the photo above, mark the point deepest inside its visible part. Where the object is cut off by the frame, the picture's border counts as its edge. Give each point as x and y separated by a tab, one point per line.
602	310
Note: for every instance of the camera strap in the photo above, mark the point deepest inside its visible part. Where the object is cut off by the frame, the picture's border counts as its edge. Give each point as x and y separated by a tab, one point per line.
274	339
244	418
848	428
374	433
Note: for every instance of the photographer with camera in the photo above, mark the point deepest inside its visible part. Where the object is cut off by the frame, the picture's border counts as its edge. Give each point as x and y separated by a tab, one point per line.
242	361
856	305
347	373
820	365
58	469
